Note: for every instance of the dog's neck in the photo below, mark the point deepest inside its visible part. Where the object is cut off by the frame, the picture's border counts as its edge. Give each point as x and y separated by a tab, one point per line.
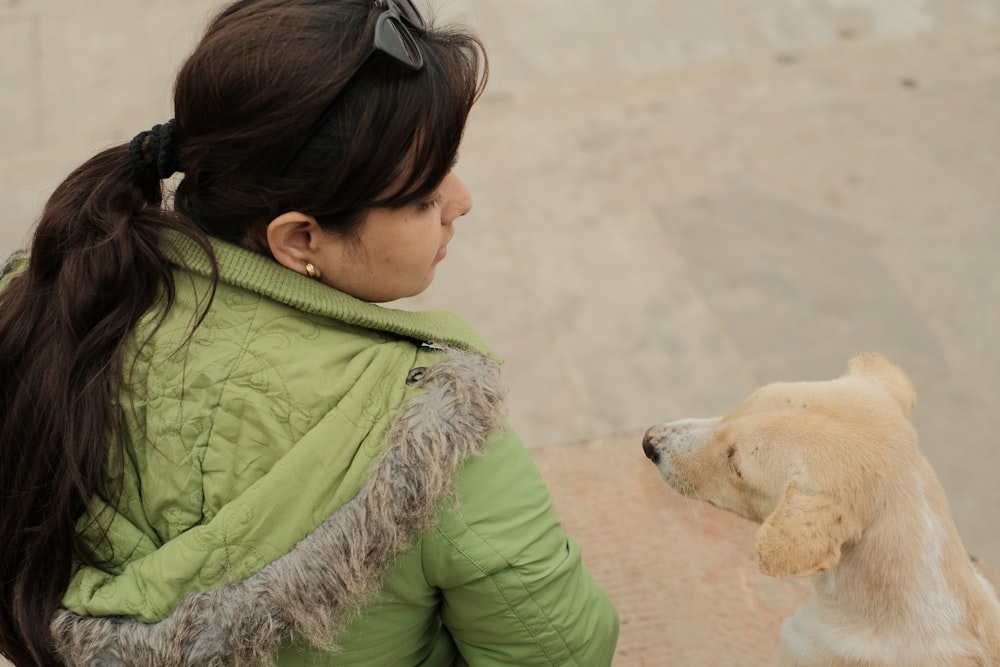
908	556
908	576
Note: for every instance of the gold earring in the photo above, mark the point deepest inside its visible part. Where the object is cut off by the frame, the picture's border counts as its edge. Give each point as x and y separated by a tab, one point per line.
311	270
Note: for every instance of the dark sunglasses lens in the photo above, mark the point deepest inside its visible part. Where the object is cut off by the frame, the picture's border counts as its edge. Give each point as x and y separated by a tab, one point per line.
408	12
392	38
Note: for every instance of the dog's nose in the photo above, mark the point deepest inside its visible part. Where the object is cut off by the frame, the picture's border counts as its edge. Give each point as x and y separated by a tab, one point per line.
649	446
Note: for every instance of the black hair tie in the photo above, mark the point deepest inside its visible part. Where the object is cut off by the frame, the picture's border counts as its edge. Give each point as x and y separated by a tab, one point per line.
158	144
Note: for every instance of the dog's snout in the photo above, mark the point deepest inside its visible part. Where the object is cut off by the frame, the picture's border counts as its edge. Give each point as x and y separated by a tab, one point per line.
662	441
649	442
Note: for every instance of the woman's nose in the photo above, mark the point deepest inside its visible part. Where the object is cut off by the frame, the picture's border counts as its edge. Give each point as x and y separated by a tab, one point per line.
458	201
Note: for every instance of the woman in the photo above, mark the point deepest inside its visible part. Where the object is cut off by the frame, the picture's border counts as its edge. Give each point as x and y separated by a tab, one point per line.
216	448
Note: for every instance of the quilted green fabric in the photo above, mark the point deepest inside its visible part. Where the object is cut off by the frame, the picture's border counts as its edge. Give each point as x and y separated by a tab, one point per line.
244	439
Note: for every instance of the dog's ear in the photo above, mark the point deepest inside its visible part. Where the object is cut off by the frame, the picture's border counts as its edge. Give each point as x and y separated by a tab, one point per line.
889	375
804	534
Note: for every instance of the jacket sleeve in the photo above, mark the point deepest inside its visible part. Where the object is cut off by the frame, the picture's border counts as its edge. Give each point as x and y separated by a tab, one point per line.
515	590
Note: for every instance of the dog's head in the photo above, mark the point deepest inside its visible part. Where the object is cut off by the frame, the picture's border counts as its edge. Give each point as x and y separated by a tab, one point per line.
803	459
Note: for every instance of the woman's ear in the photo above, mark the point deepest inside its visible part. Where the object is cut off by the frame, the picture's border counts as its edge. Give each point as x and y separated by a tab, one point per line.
293	238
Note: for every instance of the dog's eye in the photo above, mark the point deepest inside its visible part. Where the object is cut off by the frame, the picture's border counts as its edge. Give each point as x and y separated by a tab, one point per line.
731	455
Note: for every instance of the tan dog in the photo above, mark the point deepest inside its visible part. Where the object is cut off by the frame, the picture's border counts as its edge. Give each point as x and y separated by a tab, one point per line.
832	472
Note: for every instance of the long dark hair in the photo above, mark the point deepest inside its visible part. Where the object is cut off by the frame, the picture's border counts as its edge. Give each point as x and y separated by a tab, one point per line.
263	70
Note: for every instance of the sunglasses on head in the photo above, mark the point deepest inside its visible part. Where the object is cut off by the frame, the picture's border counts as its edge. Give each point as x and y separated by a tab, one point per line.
394	39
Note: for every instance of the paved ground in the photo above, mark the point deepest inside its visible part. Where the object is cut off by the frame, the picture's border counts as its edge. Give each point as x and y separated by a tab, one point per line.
676	201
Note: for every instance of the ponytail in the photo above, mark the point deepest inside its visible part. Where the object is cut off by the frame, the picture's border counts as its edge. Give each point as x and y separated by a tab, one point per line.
95	267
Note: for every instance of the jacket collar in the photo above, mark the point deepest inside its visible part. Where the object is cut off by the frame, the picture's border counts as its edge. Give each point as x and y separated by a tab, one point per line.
251	271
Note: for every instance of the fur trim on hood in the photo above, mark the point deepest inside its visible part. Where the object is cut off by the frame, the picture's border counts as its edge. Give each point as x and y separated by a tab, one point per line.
330	574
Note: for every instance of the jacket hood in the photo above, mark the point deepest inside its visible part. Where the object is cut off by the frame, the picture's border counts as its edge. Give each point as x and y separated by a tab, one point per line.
331	573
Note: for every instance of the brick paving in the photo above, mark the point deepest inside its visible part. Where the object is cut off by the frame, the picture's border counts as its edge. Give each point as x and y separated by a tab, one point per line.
682	574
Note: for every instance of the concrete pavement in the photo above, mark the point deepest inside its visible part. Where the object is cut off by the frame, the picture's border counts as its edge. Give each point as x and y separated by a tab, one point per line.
676	201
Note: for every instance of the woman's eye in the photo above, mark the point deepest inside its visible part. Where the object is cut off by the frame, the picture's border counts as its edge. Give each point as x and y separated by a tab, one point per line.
430	203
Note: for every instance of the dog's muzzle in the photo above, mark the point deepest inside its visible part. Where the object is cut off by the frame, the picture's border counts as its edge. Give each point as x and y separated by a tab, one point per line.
683	435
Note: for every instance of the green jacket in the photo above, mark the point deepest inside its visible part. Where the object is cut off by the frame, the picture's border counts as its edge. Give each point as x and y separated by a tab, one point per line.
311	479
